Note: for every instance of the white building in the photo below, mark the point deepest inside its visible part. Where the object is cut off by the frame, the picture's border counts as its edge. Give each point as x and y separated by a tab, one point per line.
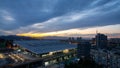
108	58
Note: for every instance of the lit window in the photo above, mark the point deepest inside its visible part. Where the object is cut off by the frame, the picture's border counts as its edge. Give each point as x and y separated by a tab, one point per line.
50	53
46	63
65	51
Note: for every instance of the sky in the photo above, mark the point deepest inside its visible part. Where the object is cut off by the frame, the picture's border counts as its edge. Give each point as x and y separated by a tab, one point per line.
38	18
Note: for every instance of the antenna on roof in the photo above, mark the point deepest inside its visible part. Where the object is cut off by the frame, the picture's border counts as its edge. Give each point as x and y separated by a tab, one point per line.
96	31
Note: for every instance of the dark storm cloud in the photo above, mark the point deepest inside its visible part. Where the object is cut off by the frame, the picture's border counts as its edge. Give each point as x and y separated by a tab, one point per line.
54	15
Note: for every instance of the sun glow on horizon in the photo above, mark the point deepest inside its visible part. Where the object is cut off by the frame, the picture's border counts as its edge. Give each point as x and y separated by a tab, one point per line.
76	32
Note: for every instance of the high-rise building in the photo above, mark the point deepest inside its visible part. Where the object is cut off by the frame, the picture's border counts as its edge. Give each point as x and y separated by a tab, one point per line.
101	41
83	49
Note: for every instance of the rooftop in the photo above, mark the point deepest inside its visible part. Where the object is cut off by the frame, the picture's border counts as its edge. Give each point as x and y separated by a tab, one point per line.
44	46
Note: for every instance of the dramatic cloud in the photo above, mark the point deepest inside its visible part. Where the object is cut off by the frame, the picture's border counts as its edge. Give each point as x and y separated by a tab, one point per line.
42	16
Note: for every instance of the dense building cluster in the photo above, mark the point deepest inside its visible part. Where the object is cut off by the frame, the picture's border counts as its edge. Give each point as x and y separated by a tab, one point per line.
102	51
106	53
107	58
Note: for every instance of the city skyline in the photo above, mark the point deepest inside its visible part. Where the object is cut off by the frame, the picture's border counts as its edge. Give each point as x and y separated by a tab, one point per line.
60	18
